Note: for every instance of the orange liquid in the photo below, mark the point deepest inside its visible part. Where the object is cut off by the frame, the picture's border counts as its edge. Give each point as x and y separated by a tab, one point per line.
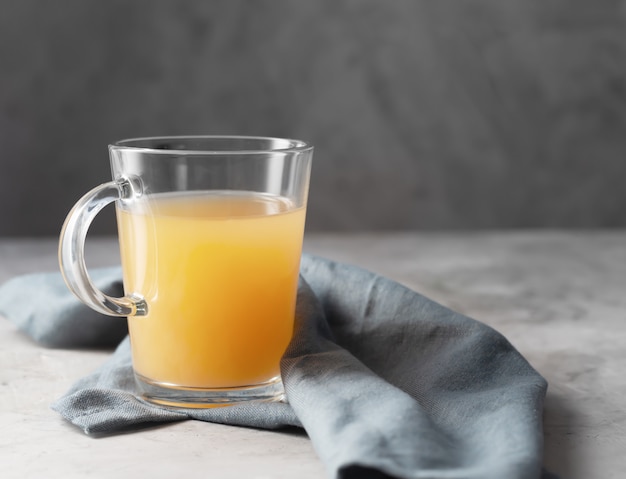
219	273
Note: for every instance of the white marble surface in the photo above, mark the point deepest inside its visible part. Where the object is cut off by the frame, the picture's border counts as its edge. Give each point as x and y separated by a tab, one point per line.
558	297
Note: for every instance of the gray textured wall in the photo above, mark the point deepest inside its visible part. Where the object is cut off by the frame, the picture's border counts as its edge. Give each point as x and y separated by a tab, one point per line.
425	114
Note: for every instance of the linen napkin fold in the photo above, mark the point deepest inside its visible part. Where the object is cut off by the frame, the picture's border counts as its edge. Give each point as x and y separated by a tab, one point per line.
387	383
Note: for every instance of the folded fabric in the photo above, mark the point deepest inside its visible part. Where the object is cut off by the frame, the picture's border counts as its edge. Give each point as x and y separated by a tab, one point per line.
386	382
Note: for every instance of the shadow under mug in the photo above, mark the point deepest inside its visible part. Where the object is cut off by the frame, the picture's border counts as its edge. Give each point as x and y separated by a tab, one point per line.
210	231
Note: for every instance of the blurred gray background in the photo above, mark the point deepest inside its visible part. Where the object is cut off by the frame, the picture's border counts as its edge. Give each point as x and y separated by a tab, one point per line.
433	114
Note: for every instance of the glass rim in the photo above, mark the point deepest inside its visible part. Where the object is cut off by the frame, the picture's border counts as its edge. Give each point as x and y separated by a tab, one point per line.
294	145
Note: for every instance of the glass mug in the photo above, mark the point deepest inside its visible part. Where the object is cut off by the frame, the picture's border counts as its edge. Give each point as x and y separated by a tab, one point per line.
210	231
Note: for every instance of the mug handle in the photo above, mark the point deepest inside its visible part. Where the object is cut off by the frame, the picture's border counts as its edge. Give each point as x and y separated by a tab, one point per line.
72	249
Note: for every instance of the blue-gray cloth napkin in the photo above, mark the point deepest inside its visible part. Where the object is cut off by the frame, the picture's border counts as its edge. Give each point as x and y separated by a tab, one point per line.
387	383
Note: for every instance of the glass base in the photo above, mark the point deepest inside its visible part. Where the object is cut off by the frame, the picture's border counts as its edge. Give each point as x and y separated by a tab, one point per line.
178	396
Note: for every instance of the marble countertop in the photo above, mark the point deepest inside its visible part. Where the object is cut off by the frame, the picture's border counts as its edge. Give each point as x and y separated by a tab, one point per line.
559	297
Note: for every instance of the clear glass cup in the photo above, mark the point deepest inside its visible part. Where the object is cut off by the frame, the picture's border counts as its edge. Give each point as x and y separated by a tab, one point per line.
210	231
